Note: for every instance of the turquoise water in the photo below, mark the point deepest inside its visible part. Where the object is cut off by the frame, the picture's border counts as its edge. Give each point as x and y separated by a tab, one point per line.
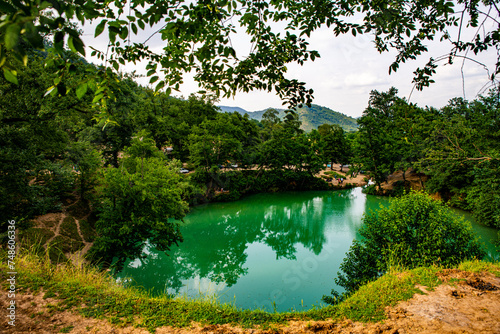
272	251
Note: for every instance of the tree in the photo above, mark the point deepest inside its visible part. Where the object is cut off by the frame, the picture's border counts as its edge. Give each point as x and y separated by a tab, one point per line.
414	231
215	142
197	37
335	146
35	131
140	202
87	161
377	141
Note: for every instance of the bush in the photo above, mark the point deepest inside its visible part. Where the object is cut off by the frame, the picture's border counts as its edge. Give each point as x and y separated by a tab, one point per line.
414	231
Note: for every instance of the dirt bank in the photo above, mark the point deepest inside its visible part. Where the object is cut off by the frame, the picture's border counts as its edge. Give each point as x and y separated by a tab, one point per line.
465	303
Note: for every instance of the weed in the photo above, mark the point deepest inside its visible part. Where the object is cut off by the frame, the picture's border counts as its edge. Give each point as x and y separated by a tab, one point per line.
49	294
66	329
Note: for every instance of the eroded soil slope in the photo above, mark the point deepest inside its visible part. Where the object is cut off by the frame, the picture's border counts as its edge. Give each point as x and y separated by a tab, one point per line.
465	303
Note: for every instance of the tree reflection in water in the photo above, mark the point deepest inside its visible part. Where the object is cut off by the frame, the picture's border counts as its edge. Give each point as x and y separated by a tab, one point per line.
217	238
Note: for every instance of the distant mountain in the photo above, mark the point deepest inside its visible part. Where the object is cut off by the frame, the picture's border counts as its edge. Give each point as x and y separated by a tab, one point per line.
311	117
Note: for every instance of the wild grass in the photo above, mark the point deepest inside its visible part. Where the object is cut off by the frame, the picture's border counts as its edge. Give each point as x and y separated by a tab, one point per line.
69	229
94	293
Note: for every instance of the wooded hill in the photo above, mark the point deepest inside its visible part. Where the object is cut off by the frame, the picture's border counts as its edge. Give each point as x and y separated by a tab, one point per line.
311	117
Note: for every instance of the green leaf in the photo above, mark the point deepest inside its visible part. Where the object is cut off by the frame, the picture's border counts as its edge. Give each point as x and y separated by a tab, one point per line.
76	45
124	32
45	5
10	76
153	79
49	90
141	24
81	90
159	86
97	98
100	28
12	36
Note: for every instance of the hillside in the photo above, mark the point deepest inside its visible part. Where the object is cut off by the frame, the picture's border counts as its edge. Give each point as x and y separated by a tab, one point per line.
311	117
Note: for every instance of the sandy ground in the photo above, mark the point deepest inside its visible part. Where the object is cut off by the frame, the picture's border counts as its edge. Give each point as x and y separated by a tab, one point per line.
467	303
358	180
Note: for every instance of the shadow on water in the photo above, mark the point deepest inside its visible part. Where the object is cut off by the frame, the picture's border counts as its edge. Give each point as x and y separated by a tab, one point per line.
273	251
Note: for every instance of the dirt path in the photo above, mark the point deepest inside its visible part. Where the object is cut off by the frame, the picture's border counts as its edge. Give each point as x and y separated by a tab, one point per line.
53	222
467	303
358	180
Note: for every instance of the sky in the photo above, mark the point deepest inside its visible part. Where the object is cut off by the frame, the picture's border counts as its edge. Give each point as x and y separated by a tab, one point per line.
348	70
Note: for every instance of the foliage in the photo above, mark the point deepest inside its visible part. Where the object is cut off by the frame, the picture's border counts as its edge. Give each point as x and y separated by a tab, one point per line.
132	206
32	178
87	161
377	146
414	231
216	142
197	38
455	148
336	148
239	183
484	197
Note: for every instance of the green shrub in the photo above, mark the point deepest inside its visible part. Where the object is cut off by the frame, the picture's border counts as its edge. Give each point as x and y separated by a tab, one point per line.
414	231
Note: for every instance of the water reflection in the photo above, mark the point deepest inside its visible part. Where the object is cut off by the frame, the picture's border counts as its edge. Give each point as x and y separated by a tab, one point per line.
269	248
261	237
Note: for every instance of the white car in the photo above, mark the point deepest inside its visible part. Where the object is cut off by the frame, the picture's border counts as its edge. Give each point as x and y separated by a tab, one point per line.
184	170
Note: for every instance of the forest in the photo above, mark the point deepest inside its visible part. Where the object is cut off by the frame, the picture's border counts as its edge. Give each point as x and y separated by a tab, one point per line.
57	150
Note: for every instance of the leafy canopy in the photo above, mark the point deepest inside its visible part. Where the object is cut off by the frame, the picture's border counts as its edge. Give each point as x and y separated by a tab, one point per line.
197	37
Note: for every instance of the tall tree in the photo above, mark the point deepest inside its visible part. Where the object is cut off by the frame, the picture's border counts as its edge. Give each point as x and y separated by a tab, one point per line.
140	202
336	149
377	139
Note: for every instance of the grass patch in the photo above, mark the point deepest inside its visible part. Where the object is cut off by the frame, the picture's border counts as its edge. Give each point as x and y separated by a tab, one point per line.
481	266
66	245
50	223
79	210
36	235
88	232
70	229
369	302
66	329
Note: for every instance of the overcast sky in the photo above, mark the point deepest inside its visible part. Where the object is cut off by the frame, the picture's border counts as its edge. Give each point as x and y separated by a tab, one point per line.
349	68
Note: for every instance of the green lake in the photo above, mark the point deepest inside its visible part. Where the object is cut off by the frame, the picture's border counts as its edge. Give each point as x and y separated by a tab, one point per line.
276	251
